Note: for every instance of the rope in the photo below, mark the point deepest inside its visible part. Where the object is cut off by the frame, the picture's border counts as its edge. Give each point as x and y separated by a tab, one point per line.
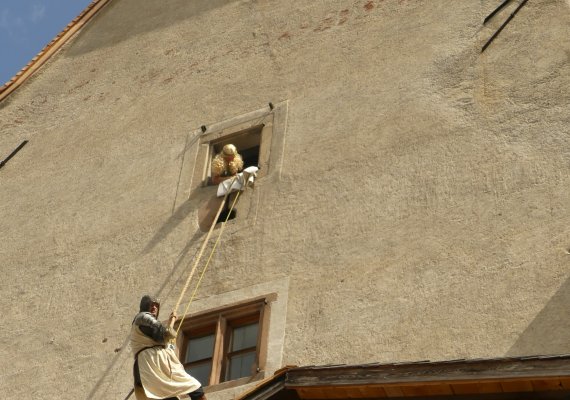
130	394
207	262
206	239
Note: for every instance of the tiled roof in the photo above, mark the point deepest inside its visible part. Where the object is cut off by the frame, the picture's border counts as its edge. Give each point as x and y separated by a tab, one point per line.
52	47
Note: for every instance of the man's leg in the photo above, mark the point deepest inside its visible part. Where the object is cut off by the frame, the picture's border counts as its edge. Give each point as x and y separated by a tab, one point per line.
197	394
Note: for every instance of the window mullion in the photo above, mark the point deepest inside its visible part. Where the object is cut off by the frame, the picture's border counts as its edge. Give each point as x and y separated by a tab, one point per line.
231	354
260	346
218	355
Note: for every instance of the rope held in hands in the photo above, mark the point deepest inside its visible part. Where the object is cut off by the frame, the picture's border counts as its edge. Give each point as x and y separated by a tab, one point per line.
199	257
209	258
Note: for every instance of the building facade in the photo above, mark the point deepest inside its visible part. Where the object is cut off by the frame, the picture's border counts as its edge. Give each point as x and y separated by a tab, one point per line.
411	202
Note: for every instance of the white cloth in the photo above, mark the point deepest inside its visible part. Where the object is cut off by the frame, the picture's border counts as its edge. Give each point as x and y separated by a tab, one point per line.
238	182
162	374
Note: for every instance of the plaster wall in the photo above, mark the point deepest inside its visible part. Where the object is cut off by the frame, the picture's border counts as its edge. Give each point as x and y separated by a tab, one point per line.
419	209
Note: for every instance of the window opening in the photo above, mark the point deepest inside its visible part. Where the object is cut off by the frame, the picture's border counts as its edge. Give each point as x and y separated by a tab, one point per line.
247	142
199	354
241	355
259	138
225	345
227	210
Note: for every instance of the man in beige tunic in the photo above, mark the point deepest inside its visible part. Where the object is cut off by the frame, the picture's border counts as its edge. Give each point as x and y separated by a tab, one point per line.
157	371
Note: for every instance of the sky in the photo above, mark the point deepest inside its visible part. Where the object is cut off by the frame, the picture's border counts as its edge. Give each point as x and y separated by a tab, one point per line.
26	26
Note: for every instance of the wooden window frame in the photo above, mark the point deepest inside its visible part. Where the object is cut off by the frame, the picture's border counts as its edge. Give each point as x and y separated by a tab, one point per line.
220	322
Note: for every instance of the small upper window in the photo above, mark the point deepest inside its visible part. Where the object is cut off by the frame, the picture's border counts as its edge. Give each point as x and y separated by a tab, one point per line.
246	142
224	345
258	137
251	135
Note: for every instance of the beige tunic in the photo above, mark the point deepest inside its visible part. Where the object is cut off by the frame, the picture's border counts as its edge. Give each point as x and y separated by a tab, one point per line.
162	374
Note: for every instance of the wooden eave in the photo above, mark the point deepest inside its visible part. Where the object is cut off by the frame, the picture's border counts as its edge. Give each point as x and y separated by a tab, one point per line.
540	377
52	47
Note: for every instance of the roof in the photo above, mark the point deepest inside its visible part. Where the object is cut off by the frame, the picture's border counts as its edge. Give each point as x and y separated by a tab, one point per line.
52	47
537	377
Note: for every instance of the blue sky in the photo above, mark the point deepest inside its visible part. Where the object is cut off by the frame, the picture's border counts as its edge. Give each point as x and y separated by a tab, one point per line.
26	26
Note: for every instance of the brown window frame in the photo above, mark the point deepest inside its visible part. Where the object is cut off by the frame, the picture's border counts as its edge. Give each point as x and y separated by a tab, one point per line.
221	322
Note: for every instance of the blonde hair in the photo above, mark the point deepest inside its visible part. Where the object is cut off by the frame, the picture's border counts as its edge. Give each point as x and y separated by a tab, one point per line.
221	167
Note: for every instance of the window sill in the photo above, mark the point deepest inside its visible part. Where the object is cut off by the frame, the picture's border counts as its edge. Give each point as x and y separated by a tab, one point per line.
234	383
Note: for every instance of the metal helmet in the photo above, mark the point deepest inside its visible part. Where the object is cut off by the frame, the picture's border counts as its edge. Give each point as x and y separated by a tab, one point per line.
147	301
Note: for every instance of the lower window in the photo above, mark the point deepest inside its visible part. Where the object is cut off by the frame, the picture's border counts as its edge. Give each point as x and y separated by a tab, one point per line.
225	344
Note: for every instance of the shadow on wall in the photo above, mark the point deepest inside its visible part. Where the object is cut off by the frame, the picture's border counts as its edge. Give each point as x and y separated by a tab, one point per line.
203	201
173	221
123	360
123	19
549	332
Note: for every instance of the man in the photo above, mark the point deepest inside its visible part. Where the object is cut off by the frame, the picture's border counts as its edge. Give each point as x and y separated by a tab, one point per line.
157	371
226	164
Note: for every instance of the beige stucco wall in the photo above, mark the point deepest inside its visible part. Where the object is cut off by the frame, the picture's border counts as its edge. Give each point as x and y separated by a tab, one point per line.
420	209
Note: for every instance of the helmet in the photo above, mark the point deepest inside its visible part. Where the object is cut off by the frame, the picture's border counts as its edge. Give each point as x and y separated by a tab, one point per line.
147	301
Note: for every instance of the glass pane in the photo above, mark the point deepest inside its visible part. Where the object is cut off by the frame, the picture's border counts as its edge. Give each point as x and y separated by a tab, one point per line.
200	348
244	337
241	366
201	372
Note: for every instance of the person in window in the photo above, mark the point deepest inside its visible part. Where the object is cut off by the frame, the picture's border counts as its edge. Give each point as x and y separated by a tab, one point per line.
226	164
158	373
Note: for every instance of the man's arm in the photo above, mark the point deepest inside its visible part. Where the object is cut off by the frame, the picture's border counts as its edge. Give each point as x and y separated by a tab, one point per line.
152	328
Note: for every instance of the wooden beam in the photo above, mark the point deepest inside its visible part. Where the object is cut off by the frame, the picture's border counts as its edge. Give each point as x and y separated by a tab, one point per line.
307	394
218	353
462	371
540	377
